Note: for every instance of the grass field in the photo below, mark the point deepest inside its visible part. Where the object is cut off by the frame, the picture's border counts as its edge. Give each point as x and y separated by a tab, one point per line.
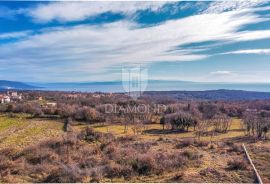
19	131
154	131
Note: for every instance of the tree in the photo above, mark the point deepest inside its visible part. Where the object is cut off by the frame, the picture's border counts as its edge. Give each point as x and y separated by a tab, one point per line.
162	122
221	123
208	110
180	120
257	124
202	129
67	124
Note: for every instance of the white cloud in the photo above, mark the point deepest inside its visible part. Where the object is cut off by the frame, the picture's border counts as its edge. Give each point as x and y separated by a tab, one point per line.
76	11
221	72
15	34
252	35
232	5
81	51
250	51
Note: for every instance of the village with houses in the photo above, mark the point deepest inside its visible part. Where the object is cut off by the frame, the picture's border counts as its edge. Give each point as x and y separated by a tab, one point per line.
10	96
13	96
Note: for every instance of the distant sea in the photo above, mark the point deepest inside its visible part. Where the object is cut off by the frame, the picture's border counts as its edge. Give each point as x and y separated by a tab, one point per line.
153	86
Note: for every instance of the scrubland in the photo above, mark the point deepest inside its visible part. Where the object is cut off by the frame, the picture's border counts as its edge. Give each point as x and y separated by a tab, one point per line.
38	150
76	140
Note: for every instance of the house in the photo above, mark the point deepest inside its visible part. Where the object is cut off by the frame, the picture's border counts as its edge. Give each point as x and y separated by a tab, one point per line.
51	104
14	96
12	93
1	98
72	95
4	99
96	95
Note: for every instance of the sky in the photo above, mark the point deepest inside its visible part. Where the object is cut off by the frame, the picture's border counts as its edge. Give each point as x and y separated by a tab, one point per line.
215	41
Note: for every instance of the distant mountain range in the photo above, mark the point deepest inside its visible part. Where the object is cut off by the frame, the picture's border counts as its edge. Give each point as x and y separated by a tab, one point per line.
6	85
174	89
221	94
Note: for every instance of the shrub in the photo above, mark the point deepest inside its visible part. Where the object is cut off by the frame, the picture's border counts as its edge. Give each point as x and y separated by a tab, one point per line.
111	150
144	164
191	155
113	170
97	174
178	176
160	139
201	143
236	148
176	159
236	165
52	143
65	174
127	138
89	135
89	162
142	147
185	143
209	171
4	164
8	152
212	146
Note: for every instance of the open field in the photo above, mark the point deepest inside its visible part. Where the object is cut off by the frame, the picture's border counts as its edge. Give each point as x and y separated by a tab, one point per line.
155	130
19	130
210	163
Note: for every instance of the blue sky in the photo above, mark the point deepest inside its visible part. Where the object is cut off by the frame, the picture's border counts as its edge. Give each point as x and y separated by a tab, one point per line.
218	41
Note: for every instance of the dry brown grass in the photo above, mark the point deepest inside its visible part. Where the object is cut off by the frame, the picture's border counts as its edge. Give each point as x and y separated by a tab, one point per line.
91	156
116	156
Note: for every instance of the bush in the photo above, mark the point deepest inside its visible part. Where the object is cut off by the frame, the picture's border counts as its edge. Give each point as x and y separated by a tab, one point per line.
176	160
142	147
191	155
127	138
201	143
111	150
97	174
90	135
8	152
236	148
144	164
178	176
113	170
212	146
185	143
237	165
37	155
209	171
65	174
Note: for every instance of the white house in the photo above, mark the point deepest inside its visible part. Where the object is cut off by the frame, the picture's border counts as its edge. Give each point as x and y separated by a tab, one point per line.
4	99
14	95
51	104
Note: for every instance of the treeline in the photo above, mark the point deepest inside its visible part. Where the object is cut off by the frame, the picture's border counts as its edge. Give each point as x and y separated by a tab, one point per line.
76	112
204	117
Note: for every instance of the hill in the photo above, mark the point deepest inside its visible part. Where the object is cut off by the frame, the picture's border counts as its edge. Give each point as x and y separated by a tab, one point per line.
221	94
4	85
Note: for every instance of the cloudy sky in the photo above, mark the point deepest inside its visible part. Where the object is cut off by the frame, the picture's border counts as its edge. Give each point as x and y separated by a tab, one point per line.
92	41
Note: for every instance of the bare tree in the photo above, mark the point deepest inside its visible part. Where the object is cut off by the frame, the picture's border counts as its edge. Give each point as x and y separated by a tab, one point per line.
221	123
